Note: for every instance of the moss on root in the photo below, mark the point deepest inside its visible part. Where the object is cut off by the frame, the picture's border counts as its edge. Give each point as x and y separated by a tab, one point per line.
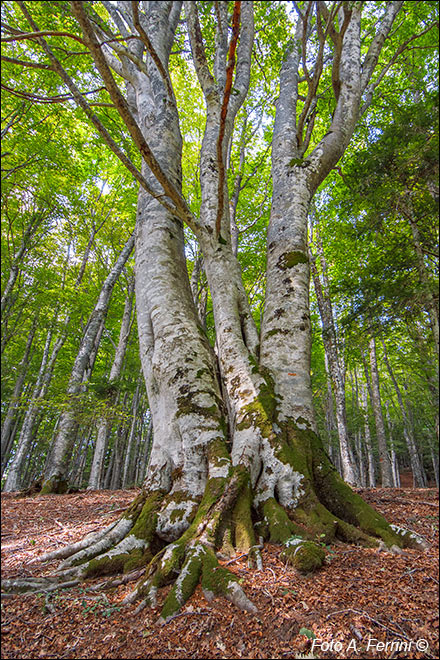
121	563
303	555
348	506
146	519
244	535
55	485
276	525
185	584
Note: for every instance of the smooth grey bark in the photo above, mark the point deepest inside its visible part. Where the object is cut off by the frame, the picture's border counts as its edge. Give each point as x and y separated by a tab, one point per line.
285	346
393	456
8	423
143	462
330	427
384	458
78	463
56	464
367	439
115	373
131	436
418	471
16	468
335	372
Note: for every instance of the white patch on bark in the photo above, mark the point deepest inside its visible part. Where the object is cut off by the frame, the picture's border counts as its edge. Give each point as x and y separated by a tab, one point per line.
125	546
220	469
407	532
194	554
113	536
173	520
280	477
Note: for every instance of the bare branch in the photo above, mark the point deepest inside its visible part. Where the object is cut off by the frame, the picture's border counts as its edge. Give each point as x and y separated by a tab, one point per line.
181	207
371	59
150	48
45	33
204	75
224	111
80	100
244	57
371	88
32	65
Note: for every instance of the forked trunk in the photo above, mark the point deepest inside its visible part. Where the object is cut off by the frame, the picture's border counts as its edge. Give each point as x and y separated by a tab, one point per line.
240	460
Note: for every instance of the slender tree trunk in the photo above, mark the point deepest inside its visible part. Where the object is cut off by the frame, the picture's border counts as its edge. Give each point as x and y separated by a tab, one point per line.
393	457
8	422
419	475
16	468
367	437
140	474
54	477
337	379
115	374
129	449
385	463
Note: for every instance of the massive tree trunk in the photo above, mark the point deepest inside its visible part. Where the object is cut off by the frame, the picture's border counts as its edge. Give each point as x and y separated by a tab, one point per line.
241	459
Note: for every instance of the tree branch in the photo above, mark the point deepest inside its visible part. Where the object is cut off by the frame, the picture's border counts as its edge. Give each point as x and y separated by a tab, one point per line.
204	75
32	65
150	48
371	58
80	100
182	209
224	111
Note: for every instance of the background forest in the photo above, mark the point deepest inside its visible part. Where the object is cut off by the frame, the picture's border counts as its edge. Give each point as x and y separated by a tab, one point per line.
68	210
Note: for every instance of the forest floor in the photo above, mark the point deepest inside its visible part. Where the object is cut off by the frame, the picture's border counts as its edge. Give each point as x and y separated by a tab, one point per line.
364	603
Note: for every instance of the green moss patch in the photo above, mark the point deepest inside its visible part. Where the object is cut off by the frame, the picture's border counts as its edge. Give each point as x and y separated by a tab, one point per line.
291	259
303	555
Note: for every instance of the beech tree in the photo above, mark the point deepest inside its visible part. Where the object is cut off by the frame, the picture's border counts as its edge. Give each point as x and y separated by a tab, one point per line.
236	456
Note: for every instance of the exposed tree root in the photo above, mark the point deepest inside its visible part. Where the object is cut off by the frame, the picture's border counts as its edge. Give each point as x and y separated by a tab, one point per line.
232	517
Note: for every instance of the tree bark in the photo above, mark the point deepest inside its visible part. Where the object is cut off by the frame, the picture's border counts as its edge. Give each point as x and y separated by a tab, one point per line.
208	481
384	458
54	475
349	471
8	423
419	475
115	373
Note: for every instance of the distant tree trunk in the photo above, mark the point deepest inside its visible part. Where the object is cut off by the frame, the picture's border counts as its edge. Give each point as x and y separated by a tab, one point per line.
115	373
35	222
17	467
119	449
367	437
349	471
384	458
393	455
129	448
419	475
140	474
54	476
330	426
434	460
8	423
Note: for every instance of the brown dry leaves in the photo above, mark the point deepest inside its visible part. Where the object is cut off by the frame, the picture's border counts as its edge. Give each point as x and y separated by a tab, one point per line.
360	595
